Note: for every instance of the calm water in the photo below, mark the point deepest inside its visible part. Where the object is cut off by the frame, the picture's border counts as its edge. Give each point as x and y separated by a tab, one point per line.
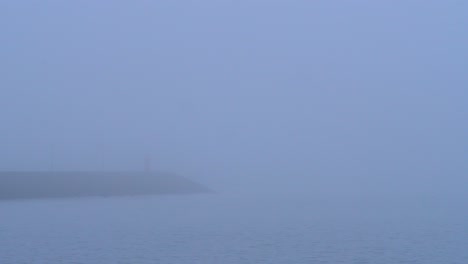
219	228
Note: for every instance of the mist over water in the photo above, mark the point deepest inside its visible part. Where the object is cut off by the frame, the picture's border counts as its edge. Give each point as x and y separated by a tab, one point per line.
230	229
331	132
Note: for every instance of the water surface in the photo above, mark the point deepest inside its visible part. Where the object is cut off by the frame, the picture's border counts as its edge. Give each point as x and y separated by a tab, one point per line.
227	228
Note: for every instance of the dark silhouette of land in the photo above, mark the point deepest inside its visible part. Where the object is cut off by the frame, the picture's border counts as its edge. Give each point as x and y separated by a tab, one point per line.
61	184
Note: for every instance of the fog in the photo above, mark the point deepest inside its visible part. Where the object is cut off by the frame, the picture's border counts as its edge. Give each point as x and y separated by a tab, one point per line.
278	97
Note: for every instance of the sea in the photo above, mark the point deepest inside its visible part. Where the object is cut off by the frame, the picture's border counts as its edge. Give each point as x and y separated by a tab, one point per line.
225	228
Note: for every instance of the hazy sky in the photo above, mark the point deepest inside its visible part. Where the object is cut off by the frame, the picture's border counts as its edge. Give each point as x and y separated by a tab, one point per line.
238	92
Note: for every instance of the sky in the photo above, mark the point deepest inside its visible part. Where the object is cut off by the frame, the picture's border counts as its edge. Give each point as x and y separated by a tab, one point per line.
305	96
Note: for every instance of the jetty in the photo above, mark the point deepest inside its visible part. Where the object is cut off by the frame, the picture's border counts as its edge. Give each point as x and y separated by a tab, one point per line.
62	184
